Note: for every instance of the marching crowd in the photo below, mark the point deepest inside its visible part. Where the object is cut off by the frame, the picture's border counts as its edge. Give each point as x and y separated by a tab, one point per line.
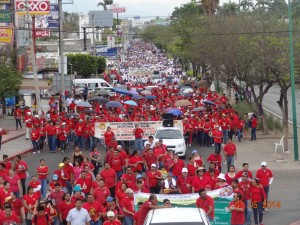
93	188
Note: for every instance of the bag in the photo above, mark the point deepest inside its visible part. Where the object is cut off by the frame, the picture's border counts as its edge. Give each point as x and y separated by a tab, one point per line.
47	218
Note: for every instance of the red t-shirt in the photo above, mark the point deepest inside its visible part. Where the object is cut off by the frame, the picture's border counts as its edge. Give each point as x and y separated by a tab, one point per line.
217	134
177	167
230	149
199	183
264	176
237	217
100	194
21	168
205	204
116	163
191	169
115	222
128	204
109	177
42	170
257	194
230	179
244	186
13	182
94	209
16	206
64	208
9	220
150	159
182	182
135	159
85	184
138	133
143	212
30	200
152	178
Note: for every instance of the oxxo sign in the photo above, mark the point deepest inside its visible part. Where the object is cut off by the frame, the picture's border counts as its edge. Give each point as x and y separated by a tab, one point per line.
36	7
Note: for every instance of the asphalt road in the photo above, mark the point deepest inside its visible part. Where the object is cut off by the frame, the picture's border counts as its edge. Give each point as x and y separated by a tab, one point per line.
284	188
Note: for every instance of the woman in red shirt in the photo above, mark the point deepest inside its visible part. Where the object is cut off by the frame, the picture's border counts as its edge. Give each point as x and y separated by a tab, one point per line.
192	166
120	195
30	200
136	162
154	179
231	175
65	206
42	171
258	197
108	135
254	124
35	137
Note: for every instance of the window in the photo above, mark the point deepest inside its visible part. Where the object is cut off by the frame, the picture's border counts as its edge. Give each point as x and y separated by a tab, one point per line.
168	134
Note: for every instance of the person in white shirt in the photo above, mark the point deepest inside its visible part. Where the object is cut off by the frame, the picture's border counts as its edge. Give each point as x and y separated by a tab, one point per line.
68	102
78	215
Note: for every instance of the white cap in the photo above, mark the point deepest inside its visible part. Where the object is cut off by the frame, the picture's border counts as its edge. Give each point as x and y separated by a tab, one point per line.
153	165
29	113
37	116
263	164
110	214
221	176
184	170
128	191
119	146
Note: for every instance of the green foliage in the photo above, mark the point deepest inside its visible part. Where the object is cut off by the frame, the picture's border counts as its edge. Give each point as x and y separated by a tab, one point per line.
243	107
105	3
10	81
85	64
270	122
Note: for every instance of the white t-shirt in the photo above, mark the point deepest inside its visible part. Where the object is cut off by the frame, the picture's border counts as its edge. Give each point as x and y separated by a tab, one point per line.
151	145
78	217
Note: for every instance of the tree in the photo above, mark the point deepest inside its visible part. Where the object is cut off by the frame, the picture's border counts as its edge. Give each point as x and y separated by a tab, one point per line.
85	65
247	5
10	82
105	3
210	6
229	8
278	8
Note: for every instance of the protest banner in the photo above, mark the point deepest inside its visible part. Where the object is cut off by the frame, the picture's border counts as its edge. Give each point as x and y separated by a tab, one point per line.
124	130
222	197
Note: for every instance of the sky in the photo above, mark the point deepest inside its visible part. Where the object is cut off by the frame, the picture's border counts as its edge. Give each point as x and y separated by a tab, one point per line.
147	9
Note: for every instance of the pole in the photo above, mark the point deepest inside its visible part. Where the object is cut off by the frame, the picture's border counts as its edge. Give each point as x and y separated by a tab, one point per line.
33	61
61	53
84	39
33	34
93	32
296	156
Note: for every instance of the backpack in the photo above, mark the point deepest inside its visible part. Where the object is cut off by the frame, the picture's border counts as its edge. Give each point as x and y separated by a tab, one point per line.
35	219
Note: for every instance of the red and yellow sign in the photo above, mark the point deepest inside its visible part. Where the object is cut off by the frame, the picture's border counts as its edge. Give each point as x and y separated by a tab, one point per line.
36	7
4	1
6	34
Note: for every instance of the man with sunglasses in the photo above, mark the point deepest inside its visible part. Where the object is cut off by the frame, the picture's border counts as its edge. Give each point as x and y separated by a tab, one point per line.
237	207
244	185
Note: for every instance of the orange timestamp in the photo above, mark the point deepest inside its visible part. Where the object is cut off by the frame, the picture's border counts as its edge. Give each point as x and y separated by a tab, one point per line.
265	204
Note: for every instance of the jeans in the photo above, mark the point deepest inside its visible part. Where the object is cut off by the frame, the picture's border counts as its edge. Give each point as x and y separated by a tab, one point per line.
95	222
225	136
69	187
35	145
23	184
51	142
248	212
205	139
18	122
79	141
41	143
154	190
63	145
253	133
267	188
112	191
199	137
43	187
240	135
139	145
119	174
128	220
218	147
230	161
258	212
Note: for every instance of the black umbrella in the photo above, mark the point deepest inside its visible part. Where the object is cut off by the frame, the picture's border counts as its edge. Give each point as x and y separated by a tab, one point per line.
72	115
100	100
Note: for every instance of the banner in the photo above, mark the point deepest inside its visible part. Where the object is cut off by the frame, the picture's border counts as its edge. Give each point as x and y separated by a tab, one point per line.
222	197
50	21
36	7
5	15
124	130
6	34
42	33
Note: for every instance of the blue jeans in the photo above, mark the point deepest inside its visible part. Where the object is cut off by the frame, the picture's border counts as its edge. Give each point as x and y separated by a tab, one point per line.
240	135
230	161
43	187
52	143
267	188
258	213
79	141
253	133
128	220
35	145
95	222
139	145
119	174
69	187
225	136
248	212
218	147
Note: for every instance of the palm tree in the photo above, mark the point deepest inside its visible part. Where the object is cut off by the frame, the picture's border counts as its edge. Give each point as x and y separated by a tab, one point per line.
279	7
260	4
229	9
105	3
210	6
247	5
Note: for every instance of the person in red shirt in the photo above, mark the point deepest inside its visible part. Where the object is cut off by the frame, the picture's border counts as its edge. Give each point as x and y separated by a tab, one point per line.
244	185
111	220
159	152
108	135
258	196
151	203
184	182
150	158
51	135
237	208
18	116
138	135
110	178
42	171
254	124
35	137
265	177
200	180
62	136
6	161
206	203
117	164
5	193
30	200
21	168
65	206
216	159
153	178
56	196
94	209
245	169
136	162
177	166
230	153
41	218
79	131
84	182
36	186
17	206
9	217
101	192
217	136
128	207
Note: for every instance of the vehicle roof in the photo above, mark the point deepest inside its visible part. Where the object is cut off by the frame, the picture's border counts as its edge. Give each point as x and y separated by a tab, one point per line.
90	80
176	215
167	128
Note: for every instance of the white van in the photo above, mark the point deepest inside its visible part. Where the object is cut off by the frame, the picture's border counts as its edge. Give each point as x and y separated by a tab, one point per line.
177	216
172	137
94	85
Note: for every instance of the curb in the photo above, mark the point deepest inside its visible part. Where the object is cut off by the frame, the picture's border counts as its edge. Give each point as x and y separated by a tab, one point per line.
22	153
13	138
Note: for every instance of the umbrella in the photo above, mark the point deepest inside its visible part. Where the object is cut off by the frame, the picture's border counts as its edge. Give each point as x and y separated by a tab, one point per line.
84	104
137	97
183	102
198	109
113	104
100	100
133	92
71	115
175	112
131	103
121	91
89	111
187	95
102	92
146	92
208	102
188	90
150	97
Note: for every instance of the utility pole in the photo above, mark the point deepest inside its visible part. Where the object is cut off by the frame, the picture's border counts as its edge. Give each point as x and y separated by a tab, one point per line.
61	53
33	61
93	32
84	38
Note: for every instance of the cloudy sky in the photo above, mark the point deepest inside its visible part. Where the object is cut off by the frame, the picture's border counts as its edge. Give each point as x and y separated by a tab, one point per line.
143	8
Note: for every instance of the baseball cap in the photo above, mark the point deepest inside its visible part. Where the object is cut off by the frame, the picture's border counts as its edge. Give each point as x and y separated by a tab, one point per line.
221	176
194	151
119	146
139	176
184	170
55	177
153	165
110	214
263	164
61	165
109	199
77	188
129	191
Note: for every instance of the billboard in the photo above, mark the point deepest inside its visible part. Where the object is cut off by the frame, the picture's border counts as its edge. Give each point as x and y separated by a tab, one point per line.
36	7
6	34
118	10
101	18
4	1
50	21
42	33
106	51
5	15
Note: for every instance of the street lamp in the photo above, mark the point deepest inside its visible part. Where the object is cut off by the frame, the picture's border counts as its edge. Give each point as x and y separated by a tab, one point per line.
295	131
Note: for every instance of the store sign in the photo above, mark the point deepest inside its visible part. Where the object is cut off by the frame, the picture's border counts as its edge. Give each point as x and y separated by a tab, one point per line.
6	34
118	10
42	33
4	1
5	16
35	7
